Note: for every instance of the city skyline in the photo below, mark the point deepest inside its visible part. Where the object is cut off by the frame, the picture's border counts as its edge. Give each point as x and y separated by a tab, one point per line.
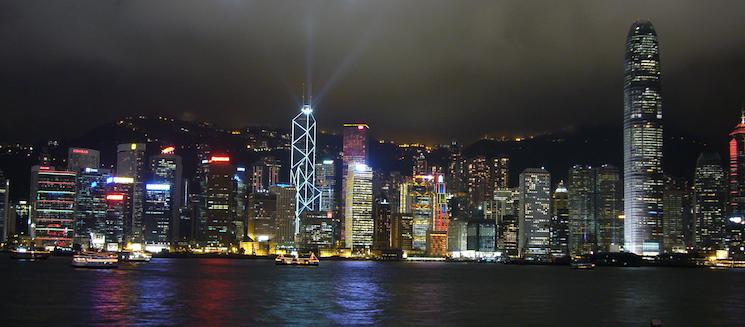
427	162
494	67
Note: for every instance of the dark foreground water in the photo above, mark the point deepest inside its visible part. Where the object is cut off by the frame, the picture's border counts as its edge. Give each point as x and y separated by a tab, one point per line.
223	292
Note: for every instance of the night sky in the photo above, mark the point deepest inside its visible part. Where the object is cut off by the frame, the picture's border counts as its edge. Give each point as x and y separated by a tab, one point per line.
427	71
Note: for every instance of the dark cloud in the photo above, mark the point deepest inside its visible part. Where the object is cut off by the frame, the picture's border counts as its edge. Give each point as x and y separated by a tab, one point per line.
416	70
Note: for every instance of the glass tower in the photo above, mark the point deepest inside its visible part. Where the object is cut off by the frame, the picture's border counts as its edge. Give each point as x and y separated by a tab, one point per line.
642	132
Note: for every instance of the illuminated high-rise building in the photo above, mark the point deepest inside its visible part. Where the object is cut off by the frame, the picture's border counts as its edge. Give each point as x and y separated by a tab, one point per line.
303	163
608	209
438	234
90	203
677	205
736	177
219	202
52	206
480	183
79	158
264	174
110	232
501	172
456	173
642	130
285	213
559	227
709	202
158	216
241	203
131	162
507	212
535	215
166	168
22	216
582	224
421	192
359	224
326	184
354	151
262	215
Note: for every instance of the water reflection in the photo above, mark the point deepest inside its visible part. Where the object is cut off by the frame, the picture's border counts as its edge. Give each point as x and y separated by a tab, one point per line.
210	298
358	294
110	297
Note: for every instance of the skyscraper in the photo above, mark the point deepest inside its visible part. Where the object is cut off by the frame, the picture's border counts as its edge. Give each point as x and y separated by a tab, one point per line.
642	130
560	222
421	192
285	212
359	224
479	184
52	206
326	183
264	174
507	209
130	162
677	206
166	168
501	172
736	178
219	202
79	158
709	202
262	214
535	215
582	224
608	209
303	163
118	221
158	216
354	150
90	203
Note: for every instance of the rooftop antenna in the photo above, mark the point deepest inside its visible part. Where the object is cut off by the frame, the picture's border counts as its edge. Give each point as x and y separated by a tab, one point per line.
742	113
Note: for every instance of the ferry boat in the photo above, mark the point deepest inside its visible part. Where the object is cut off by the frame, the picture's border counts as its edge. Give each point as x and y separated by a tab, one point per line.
295	260
134	256
95	260
29	253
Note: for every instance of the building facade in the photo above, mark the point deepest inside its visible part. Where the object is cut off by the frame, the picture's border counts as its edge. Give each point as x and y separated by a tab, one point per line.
642	129
535	215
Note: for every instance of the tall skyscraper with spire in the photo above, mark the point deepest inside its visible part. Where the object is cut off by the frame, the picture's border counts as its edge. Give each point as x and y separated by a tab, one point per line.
303	159
642	141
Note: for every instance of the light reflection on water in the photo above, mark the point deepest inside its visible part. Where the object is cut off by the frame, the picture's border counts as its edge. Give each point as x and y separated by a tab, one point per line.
223	292
357	295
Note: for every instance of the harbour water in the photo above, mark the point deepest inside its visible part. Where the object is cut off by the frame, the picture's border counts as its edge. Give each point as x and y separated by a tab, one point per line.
225	292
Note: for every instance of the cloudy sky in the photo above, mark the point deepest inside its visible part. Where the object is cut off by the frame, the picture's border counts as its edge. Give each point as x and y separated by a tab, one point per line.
414	70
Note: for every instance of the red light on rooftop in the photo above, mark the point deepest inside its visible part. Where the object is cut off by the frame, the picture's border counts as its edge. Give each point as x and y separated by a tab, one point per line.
168	150
80	151
220	159
360	127
44	168
115	197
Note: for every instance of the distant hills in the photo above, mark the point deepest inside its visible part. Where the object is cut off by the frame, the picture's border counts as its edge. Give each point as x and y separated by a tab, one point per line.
557	152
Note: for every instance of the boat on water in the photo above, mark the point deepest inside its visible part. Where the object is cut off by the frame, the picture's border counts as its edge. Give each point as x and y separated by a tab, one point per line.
295	260
582	265
29	253
134	256
103	260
